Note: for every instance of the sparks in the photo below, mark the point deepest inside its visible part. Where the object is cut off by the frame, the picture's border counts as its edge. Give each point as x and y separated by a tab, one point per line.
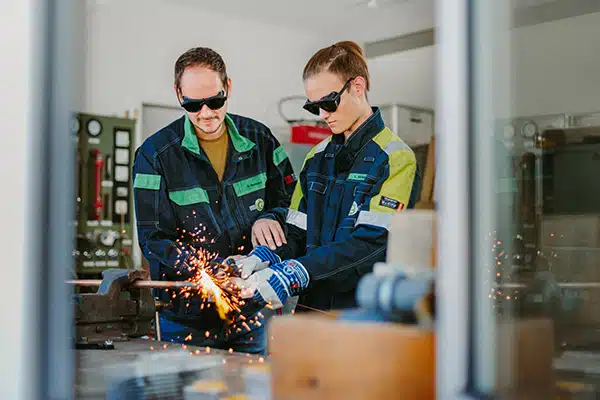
214	287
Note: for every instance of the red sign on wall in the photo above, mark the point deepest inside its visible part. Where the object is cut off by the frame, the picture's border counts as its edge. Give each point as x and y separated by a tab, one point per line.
309	134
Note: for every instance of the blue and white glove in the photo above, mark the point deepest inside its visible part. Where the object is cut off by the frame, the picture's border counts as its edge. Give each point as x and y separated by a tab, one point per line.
273	285
258	259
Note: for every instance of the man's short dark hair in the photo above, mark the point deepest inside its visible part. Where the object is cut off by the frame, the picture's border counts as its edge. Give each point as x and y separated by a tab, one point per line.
200	56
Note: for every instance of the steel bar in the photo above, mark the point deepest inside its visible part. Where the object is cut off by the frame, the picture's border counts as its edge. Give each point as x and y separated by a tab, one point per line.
572	285
139	284
157	329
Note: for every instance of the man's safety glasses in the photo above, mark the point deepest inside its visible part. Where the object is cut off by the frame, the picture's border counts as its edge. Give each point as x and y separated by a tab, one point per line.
328	103
195	105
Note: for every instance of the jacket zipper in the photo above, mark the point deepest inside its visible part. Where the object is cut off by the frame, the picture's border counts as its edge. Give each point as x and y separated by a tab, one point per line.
235	220
233	216
220	189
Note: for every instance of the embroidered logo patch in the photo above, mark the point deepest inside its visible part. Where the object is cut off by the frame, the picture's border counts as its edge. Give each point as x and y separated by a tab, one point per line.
353	209
258	205
391	203
290	179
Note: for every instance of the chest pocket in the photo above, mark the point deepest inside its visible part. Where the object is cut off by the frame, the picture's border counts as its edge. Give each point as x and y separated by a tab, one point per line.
318	192
317	187
193	210
250	196
358	190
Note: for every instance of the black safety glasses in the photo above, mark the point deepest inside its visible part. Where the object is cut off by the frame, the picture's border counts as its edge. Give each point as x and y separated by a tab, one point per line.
195	105
328	103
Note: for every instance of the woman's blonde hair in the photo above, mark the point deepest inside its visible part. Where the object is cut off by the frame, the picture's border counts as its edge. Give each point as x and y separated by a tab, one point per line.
345	59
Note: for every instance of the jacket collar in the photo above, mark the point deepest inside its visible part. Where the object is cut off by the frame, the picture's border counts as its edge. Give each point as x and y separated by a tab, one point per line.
345	152
240	143
361	136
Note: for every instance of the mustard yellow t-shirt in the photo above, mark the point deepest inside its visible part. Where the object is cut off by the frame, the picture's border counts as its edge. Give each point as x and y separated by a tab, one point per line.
216	151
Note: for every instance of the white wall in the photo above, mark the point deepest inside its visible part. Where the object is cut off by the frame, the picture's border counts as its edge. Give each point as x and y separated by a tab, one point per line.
555	69
406	78
131	50
557	66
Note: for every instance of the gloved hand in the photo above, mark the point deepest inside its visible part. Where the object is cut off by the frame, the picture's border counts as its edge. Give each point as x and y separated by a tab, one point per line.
275	284
258	259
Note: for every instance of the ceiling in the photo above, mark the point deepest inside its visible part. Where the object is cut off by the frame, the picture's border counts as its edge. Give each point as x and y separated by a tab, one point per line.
359	20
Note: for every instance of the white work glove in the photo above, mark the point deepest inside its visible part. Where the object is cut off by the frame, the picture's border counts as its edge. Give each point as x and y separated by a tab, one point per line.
273	285
258	259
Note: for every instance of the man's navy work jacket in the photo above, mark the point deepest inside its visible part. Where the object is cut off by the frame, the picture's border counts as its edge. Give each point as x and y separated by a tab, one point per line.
179	200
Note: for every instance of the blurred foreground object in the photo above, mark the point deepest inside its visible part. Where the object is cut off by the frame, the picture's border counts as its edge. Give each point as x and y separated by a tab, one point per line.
317	358
386	348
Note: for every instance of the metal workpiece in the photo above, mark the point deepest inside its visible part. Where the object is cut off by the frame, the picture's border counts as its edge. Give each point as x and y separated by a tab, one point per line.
566	285
138	284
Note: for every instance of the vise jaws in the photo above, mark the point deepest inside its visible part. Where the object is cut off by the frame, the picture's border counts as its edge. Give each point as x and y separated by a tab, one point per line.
116	312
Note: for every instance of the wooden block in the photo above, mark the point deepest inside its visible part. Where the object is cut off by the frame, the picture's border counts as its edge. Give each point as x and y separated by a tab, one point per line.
317	358
411	238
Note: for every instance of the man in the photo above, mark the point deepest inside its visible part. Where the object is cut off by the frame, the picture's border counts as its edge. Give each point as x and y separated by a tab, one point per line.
202	182
349	188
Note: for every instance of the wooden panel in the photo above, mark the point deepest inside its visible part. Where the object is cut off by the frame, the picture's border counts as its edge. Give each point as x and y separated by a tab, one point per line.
317	358
428	182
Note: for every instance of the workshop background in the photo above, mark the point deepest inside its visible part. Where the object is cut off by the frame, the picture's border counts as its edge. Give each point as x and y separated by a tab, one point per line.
509	90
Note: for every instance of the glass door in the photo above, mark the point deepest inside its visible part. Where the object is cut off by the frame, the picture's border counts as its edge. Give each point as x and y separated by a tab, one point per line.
519	127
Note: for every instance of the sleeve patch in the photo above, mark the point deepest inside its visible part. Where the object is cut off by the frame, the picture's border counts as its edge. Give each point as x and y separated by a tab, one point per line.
391	203
290	179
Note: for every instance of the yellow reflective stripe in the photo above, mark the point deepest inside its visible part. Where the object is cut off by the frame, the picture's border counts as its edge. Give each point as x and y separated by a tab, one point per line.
402	166
297	196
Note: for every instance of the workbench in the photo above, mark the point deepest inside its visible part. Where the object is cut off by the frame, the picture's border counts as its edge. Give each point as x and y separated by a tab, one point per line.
96	368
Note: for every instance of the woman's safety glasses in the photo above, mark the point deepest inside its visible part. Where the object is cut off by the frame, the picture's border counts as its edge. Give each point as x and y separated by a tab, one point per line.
328	103
195	105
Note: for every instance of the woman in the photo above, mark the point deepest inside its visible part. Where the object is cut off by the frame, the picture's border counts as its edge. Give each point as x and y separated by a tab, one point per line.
350	186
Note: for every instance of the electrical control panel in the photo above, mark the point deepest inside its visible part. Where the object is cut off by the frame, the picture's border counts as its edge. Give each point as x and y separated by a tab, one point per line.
524	140
104	214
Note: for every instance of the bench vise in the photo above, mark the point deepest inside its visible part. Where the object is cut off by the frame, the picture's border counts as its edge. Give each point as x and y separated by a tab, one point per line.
116	312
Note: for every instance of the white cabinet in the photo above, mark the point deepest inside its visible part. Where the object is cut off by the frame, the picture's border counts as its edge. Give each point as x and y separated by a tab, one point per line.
413	125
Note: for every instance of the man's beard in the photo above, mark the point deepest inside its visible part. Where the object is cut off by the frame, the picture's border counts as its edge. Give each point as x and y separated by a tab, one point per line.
217	129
